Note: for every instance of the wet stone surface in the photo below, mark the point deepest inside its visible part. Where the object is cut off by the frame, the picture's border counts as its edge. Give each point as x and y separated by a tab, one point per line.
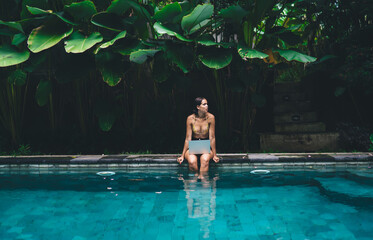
242	158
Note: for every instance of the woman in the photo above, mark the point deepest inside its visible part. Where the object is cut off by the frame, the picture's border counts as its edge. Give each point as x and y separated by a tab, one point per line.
200	125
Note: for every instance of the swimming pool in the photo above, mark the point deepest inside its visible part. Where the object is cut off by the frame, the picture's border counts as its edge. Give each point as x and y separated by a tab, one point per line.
173	204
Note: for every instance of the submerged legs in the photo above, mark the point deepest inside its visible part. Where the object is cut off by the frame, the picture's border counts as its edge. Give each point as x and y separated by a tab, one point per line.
193	162
205	160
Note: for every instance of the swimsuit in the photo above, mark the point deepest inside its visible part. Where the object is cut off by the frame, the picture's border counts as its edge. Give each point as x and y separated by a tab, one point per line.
202	130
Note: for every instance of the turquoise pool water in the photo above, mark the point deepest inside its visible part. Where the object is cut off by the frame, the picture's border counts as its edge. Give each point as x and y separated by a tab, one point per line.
173	204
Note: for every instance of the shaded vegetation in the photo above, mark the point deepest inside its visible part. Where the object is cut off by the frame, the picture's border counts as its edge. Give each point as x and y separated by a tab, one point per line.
120	76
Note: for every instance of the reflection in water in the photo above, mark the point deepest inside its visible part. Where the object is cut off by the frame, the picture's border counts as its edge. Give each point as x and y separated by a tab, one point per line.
201	200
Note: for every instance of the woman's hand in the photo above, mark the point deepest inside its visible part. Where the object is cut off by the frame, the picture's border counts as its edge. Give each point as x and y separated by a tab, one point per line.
215	158
180	159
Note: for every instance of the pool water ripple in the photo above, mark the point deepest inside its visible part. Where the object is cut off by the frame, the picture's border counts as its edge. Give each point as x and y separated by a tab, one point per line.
178	205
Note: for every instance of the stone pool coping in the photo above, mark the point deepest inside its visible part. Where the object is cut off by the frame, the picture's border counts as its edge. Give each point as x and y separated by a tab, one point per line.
276	159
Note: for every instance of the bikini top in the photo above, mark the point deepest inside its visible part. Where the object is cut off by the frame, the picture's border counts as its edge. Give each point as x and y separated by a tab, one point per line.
200	130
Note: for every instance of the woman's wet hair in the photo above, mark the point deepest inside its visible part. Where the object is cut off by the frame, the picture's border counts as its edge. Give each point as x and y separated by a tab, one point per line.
197	102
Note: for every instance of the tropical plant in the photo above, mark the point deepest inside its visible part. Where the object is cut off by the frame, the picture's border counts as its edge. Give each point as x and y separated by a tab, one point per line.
148	55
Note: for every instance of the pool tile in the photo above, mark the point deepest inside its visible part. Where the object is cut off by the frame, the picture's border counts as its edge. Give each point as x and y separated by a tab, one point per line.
248	212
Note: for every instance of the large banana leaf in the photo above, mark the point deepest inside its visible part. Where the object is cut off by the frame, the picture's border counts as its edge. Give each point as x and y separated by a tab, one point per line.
111	42
216	58
168	12
186	8
160	29
38	11
106	121
17	77
13	25
120	7
142	55
81	11
180	54
293	55
111	66
127	46
60	15
109	21
246	53
206	40
10	55
199	14
18	39
43	91
107	113
234	13
25	14
201	25
79	43
48	35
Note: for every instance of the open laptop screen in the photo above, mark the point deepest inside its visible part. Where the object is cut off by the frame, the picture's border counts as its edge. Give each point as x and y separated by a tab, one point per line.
199	146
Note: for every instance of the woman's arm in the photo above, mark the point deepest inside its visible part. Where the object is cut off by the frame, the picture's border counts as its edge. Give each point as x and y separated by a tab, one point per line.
212	139
188	137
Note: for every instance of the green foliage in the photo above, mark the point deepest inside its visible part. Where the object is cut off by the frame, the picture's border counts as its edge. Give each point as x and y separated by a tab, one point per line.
233	13
38	11
197	18
181	55
155	56
43	92
371	143
160	29
247	53
16	27
81	11
207	40
48	35
168	12
109	21
293	55
18	39
17	77
111	42
142	55
10	55
23	150
216	58
78	43
120	7
107	113
291	73
111	66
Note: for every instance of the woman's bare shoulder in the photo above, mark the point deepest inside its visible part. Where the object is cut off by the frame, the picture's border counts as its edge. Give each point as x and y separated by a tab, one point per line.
190	117
210	116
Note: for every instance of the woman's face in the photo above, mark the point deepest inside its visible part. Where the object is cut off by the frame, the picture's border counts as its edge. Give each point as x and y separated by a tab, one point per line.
203	107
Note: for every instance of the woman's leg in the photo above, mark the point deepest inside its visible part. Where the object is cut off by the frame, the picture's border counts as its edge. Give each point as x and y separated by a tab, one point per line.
192	161
205	159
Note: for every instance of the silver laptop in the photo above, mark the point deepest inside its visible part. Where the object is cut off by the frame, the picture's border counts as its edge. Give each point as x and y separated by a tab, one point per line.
199	146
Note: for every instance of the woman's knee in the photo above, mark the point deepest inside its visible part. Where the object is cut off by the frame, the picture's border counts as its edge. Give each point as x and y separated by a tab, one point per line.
192	160
205	159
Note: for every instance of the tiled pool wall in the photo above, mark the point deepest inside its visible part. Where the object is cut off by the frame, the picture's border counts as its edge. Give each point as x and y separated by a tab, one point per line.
295	161
71	168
